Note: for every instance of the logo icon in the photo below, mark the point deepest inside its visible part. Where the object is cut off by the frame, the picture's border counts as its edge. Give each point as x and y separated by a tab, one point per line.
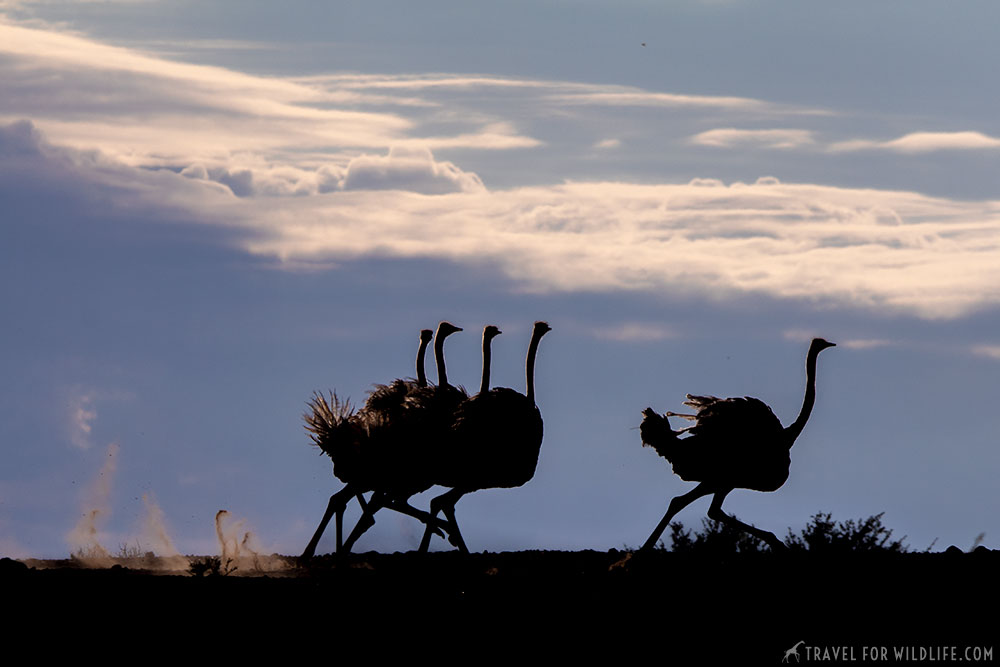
793	651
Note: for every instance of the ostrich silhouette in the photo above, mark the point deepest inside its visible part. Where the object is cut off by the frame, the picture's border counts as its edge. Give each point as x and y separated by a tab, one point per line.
493	442
367	449
419	423
735	443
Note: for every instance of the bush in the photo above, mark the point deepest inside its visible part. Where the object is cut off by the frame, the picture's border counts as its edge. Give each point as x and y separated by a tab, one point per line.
821	535
715	537
211	566
824	535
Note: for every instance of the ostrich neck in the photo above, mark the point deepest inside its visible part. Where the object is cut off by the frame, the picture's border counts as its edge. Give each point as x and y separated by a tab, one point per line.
439	359
529	367
484	386
793	431
421	353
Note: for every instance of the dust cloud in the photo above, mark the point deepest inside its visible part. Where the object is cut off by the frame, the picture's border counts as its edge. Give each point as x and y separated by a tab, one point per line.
84	540
239	548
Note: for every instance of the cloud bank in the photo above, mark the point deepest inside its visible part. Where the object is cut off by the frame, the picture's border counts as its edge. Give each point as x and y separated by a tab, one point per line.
149	111
884	250
298	172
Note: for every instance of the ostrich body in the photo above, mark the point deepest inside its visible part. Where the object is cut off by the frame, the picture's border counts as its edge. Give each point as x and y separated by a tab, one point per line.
367	448
735	443
418	423
494	441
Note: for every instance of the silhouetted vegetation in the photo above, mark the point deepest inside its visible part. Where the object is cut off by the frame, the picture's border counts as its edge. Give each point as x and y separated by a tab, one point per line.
211	566
132	551
822	535
714	537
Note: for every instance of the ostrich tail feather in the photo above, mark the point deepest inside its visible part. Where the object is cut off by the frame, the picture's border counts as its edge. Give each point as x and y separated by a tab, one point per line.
327	421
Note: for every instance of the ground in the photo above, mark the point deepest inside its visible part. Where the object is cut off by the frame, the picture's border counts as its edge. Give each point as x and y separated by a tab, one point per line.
738	606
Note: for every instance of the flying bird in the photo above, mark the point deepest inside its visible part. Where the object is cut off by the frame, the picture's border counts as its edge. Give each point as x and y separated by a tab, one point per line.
735	443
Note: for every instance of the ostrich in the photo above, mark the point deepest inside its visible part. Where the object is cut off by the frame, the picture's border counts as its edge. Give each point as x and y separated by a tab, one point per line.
735	443
494	441
364	445
388	399
417	424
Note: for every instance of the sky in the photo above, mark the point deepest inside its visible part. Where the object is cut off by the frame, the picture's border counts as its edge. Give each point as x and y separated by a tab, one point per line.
210	210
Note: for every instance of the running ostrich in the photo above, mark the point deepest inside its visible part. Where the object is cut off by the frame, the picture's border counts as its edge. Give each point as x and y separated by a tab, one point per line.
494	441
735	443
418	426
365	445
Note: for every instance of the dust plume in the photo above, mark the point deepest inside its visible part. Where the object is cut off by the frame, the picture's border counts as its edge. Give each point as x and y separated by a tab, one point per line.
84	539
154	530
239	549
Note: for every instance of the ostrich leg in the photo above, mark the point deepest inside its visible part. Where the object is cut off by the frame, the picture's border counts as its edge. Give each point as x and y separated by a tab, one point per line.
381	500
446	503
715	512
675	506
337	505
367	520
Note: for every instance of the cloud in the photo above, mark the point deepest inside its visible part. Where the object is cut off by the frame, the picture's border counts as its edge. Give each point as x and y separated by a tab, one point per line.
20	139
403	168
640	98
989	351
556	92
923	142
882	250
805	336
37	176
608	143
145	110
733	137
637	332
413	170
429	81
81	419
865	343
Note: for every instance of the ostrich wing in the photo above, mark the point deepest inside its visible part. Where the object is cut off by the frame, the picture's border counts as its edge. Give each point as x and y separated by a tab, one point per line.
389	398
495	441
736	442
733	418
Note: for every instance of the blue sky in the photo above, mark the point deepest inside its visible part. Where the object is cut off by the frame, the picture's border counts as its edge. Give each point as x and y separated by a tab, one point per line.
210	210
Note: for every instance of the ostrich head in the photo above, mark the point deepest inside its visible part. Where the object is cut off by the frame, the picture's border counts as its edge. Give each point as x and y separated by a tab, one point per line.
491	332
818	345
446	329
426	335
541	328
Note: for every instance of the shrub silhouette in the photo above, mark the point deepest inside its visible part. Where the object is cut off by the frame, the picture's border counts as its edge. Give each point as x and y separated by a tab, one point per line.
821	535
211	566
715	537
824	535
